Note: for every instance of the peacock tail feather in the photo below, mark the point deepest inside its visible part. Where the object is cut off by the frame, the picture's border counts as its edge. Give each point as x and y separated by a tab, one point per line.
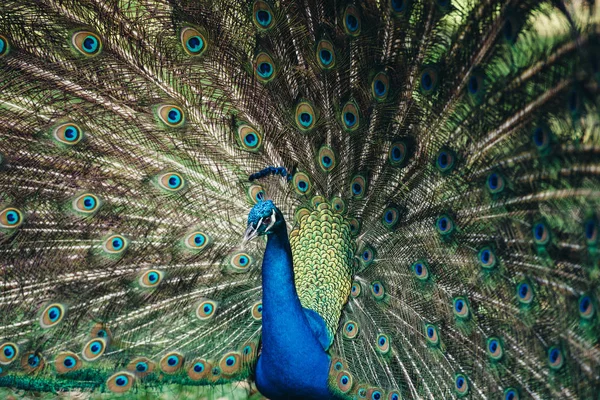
441	192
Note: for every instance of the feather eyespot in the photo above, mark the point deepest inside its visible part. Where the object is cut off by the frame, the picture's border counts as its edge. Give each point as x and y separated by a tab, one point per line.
586	307
302	183
326	158
461	385
325	54
215	374
380	86
494	348
394	395
141	367
240	261
366	256
305	116
350	117
249	353
390	217
350	329
461	307
115	244
399	7
487	258
69	134
421	269
511	394
524	293
315	201
256	311
87	43
120	382
249	138
197	240
67	362
431	333
10	218
337	365
476	86
351	21
264	67
444	225
510	30
52	315
344	381
193	42
354	227
93	349
374	394
358	186
591	231
445	161
541	234
230	363
429	80
338	205
397	154
199	369
355	290
86	203
171	115
383	344
171	362
4	47
256	193
8	353
171	181
377	290
555	358
495	183
101	330
263	15
206	310
32	361
541	138
574	102
151	278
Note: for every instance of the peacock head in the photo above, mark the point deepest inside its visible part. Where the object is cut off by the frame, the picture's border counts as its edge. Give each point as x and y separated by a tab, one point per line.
263	219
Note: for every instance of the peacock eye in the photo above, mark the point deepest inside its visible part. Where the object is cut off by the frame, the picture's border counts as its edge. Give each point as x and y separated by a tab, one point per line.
511	394
264	67
68	134
171	115
10	218
3	51
461	385
87	43
93	349
555	358
263	15
194	43
120	382
67	362
8	353
52	315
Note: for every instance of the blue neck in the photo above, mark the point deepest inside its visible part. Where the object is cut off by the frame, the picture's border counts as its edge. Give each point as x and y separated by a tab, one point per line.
292	361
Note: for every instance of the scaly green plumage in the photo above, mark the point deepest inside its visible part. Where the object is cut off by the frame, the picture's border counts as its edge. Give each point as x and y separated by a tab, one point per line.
449	148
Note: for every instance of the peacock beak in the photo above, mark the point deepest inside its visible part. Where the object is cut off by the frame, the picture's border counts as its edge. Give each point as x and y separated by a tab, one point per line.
251	233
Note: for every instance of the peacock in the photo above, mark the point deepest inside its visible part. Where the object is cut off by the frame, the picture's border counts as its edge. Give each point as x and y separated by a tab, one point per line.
342	199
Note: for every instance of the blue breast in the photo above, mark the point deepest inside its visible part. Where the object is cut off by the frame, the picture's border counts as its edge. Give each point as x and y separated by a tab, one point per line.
293	363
